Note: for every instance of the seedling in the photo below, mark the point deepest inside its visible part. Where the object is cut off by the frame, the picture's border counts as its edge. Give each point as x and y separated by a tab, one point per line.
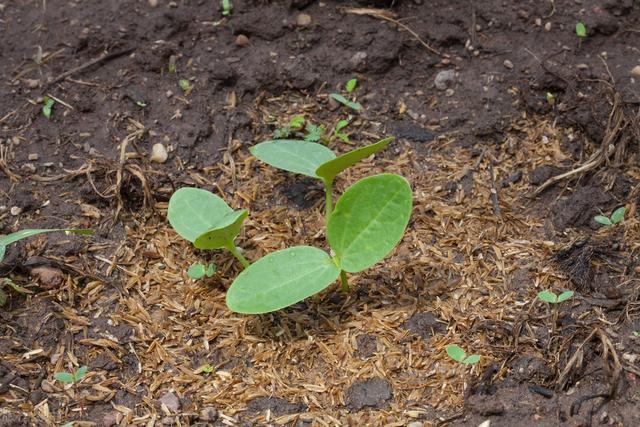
636	334
313	160
204	369
185	86
19	235
71	377
367	223
205	220
226	7
198	271
47	107
616	217
300	128
337	131
350	87
551	298
551	98
459	355
581	30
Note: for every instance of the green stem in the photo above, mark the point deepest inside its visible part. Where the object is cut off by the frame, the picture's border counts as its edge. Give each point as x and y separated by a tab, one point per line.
328	206
236	253
345	281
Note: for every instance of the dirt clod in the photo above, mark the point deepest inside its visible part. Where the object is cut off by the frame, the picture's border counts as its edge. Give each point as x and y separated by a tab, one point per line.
374	393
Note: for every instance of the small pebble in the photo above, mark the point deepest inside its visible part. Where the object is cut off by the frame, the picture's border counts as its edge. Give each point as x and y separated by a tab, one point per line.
358	58
303	20
169	94
582	67
445	79
508	64
242	40
33	157
173	4
32	83
547	26
171	401
159	153
415	424
153	3
449	92
635	71
538	22
208	414
15	211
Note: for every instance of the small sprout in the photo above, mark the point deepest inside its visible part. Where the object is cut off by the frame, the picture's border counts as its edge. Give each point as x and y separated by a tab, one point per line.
296	123
551	98
47	107
314	133
636	334
9	283
172	65
551	298
226	7
344	101
204	369
184	85
198	271
616	217
459	355
351	85
337	130
69	378
141	104
581	30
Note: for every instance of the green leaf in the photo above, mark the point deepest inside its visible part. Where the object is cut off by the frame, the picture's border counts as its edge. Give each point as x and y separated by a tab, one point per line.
196	271
456	353
296	123
222	233
328	170
617	215
63	377
341	125
581	30
141	104
47	107
19	289
3	250
565	296
80	373
281	279
474	358
226	7
314	133
344	101
548	296
211	269
602	220
207	369
293	156
184	85
23	234
369	220
351	85
193	212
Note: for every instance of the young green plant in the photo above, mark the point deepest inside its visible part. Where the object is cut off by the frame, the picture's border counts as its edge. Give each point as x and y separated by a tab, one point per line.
198	271
368	222
350	87
459	355
71	377
206	220
554	300
226	7
581	30
313	160
47	107
616	217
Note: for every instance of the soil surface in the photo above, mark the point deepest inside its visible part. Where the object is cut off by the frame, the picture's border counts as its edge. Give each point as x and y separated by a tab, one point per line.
513	131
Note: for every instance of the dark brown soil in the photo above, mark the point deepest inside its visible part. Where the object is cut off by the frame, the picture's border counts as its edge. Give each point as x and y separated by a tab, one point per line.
477	134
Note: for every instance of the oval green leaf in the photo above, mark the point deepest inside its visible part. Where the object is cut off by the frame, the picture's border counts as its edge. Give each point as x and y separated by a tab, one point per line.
64	377
581	30
81	372
617	215
193	211
344	101
369	221
196	271
565	296
456	353
330	169
601	219
221	235
301	157
474	358
281	279
548	296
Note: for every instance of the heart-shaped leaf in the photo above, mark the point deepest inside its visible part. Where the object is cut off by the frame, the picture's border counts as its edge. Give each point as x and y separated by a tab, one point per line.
301	157
617	215
222	233
330	169
281	279
456	353
64	377
80	373
369	220
193	212
565	296
344	101
548	296
602	220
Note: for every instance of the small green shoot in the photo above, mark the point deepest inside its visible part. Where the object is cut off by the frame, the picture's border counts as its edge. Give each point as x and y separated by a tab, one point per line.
551	298
581	30
459	355
198	271
314	133
226	7
47	107
636	334
173	68
351	85
185	86
204	369
616	217
297	123
344	101
6	282
71	378
337	131
551	98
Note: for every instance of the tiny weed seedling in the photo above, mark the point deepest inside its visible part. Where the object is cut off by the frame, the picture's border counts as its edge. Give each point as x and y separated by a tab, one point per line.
459	355
204	369
551	98
71	377
226	7
551	298
19	235
185	86
581	30
205	220
198	271
636	334
350	87
337	131
300	128
47	107
313	160
368	222
616	217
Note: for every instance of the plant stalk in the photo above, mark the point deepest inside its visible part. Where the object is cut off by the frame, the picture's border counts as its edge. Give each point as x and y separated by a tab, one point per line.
345	281
236	253
328	191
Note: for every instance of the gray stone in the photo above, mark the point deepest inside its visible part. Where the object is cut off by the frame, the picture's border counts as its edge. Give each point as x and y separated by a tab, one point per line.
445	79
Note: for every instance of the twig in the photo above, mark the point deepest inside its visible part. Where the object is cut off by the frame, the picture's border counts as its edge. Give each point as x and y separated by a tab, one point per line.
103	58
494	191
386	16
